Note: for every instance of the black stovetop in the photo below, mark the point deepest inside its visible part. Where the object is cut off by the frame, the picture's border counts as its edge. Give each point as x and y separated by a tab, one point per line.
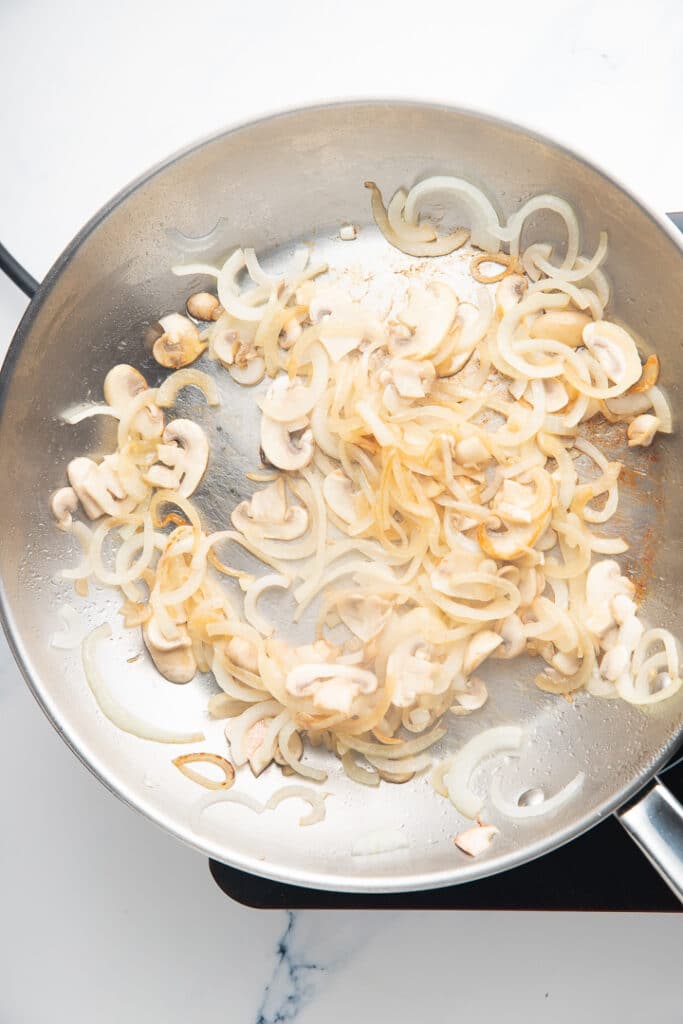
601	870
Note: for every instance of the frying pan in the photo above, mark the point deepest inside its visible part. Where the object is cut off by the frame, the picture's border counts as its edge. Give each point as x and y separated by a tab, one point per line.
272	184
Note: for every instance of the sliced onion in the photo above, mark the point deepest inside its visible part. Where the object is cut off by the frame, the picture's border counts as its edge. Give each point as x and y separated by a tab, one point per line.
74	632
305	770
225	797
380	840
166	394
316	801
117	714
254	591
85	412
502	738
484	231
356	773
535	810
183	763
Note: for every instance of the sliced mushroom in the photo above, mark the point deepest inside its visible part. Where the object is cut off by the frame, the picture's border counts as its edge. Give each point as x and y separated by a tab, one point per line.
615	351
364	616
63	503
410	671
615	662
290	450
427	318
180	343
514	642
641	431
473	697
477	840
334	687
98	487
411	378
243	653
510	292
183	458
347	232
623	608
478	649
290	333
173	658
565	325
603	583
268	515
340	496
121	385
204	306
250	374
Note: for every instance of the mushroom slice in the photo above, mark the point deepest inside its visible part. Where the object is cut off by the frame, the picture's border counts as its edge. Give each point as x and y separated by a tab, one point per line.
184	456
250	374
268	516
428	316
341	498
243	653
564	325
615	351
514	641
287	400
482	644
642	430
410	671
284	449
334	687
603	583
63	504
204	306
364	616
411	378
173	658
474	841
473	697
98	487
180	343
509	292
121	385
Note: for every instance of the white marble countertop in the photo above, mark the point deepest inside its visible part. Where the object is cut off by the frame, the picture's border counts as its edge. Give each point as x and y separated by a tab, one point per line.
103	916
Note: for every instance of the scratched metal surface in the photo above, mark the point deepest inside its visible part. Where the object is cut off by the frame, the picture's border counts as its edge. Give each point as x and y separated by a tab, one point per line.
95	310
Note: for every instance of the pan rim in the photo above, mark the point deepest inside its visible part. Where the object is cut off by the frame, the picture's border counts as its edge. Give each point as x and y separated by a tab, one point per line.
317	880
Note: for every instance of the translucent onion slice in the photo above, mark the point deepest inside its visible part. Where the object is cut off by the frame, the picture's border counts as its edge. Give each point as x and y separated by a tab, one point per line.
85	412
73	633
533	810
381	840
253	593
167	393
439	247
485	226
117	714
502	738
316	801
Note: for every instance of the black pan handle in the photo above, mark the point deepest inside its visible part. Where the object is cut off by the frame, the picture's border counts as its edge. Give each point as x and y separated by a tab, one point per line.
17	273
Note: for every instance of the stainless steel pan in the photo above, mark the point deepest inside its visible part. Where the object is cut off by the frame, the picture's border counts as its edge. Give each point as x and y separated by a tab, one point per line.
292	177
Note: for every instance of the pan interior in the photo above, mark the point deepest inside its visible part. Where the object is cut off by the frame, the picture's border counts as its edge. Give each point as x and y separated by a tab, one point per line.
96	310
